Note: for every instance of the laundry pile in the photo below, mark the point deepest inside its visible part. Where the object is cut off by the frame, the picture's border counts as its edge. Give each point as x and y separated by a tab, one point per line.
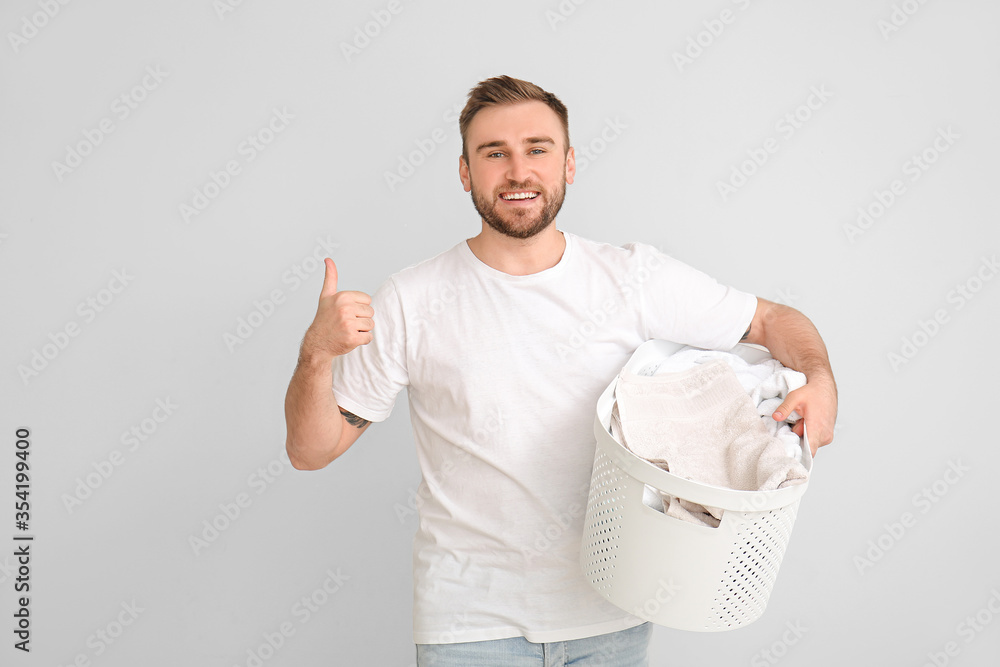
705	415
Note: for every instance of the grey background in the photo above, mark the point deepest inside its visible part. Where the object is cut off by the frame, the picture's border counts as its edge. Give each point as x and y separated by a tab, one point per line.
681	131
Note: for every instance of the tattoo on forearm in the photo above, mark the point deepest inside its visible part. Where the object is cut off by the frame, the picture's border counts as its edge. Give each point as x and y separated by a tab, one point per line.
353	419
746	335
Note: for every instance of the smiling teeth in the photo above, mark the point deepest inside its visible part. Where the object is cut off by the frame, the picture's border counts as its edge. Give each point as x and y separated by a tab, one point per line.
521	195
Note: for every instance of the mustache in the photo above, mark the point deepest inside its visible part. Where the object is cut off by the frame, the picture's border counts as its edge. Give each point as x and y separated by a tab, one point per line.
520	186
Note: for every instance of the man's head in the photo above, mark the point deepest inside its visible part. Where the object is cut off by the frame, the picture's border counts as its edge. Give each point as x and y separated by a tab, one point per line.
502	90
516	159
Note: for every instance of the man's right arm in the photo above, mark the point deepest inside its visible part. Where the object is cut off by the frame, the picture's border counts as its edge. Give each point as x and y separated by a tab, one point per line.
318	430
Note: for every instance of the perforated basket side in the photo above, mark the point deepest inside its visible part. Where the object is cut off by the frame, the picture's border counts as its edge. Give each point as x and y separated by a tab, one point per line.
603	526
752	568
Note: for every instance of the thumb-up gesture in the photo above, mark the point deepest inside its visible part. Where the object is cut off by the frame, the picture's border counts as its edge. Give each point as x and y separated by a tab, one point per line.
343	319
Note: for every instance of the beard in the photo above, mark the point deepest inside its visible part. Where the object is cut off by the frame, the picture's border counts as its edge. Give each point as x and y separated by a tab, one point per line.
519	223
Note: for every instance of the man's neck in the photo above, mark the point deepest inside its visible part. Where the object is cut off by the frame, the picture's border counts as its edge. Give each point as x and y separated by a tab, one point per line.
519	257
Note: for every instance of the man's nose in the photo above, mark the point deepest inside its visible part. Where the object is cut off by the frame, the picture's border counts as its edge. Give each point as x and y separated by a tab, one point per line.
518	168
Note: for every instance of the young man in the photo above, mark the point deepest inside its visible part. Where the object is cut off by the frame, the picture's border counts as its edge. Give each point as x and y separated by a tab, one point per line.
504	342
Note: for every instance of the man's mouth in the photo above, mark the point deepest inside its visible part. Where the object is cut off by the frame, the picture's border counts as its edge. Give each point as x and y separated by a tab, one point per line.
518	195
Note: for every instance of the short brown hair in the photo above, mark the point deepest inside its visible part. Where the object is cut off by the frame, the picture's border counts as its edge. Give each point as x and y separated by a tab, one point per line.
503	89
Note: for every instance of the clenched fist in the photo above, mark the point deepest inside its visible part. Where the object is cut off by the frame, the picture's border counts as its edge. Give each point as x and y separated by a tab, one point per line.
343	320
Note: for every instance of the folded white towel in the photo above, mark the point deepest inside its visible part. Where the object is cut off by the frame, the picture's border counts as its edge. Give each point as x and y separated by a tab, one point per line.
700	423
768	383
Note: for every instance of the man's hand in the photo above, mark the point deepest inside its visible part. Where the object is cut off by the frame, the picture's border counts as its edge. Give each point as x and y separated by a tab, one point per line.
816	401
793	340
315	423
343	320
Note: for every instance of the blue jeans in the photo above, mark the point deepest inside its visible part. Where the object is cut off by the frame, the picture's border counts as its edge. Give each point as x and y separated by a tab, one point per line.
625	648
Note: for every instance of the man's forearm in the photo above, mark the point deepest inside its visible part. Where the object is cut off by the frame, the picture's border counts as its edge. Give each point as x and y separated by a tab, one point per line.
312	418
793	340
315	427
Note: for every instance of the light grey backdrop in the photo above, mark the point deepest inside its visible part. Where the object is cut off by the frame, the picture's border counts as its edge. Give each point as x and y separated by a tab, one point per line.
170	171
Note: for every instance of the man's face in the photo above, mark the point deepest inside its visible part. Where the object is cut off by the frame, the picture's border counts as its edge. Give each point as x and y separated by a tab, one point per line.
518	167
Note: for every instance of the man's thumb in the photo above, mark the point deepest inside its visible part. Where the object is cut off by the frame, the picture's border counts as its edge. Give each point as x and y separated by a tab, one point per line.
330	279
783	411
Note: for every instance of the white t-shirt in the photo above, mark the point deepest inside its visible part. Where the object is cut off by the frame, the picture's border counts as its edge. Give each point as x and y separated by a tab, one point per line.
503	374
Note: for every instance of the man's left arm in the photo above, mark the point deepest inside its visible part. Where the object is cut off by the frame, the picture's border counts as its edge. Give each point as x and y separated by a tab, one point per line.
794	341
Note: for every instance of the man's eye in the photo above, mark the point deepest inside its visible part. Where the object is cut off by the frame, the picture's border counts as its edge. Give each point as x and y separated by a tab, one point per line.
537	150
494	153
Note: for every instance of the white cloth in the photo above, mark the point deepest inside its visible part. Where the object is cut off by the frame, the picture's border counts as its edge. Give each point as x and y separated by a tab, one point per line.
767	382
503	374
700	424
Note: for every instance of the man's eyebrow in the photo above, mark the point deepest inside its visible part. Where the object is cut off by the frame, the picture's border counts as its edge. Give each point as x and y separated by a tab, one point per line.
500	143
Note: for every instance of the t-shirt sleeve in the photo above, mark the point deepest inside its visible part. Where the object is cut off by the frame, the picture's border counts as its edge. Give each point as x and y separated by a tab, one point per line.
685	305
367	379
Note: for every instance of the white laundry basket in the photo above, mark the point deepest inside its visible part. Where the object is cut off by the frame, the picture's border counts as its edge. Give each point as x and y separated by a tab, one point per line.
672	572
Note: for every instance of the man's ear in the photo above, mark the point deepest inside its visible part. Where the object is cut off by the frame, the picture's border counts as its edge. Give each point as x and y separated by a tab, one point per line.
463	173
570	165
